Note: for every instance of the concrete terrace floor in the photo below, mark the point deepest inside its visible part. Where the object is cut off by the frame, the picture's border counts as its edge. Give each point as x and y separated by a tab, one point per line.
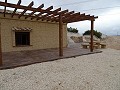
23	58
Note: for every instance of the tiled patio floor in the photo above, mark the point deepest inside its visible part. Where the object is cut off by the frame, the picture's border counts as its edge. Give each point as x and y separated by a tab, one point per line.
23	58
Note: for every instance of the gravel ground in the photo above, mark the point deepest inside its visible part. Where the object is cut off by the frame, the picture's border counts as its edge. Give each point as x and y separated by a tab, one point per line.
89	72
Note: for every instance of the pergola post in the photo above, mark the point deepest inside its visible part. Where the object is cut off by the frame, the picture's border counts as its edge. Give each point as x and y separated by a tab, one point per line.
0	48
91	40
60	36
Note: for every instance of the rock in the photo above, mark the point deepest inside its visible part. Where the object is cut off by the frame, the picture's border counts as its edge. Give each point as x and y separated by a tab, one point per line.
87	38
77	39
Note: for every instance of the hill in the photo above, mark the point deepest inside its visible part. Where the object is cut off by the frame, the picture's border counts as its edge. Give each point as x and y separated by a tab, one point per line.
112	42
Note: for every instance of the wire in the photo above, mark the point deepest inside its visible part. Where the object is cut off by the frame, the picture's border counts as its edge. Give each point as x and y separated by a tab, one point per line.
75	3
109	14
99	8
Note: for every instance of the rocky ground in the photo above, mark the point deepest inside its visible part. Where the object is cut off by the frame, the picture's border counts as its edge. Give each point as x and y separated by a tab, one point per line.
89	72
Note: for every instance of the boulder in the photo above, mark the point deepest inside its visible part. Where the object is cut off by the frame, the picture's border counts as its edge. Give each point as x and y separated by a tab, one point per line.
77	39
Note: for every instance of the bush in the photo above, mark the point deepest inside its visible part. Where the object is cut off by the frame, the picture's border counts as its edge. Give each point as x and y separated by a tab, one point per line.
95	32
74	30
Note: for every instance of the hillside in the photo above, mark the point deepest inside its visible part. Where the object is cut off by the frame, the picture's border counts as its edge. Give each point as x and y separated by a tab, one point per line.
112	42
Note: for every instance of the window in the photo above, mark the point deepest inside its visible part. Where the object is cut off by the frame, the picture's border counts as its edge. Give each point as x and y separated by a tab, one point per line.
22	38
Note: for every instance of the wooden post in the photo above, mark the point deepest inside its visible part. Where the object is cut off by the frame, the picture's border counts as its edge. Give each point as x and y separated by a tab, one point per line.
0	48
5	8
60	36
92	28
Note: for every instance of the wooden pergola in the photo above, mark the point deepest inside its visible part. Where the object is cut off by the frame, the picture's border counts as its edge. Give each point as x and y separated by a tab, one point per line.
48	14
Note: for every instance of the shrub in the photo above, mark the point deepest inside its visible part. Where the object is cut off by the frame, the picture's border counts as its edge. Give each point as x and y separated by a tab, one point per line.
95	32
74	30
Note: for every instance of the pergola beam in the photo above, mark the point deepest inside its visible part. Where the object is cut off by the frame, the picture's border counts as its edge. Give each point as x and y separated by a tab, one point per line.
78	18
41	6
57	10
5	8
48	9
42	12
30	5
19	2
66	15
73	15
47	17
54	14
60	13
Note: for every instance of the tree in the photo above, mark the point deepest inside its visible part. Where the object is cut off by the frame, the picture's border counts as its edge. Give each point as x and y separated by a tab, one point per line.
95	32
74	30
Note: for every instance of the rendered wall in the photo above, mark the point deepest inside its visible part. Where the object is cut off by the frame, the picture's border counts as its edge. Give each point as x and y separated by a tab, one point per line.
44	35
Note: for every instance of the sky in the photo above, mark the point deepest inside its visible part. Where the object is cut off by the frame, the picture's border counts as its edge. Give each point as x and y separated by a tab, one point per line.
108	12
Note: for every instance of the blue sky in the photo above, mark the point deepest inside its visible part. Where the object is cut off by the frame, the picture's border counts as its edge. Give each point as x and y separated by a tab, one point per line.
107	23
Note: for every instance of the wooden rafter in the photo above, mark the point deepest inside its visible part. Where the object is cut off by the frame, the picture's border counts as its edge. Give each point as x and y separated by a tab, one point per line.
46	17
63	12
19	2
68	14
60	13
48	9
54	12
30	5
41	6
5	8
54	17
42	12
